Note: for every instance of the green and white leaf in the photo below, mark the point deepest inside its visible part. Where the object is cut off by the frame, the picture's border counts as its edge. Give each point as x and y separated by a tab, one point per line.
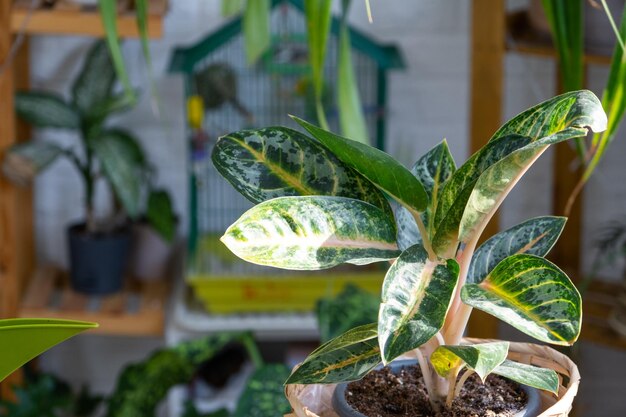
482	358
416	296
531	294
94	84
23	161
535	237
42	109
346	358
457	190
375	165
532	376
576	109
432	170
122	160
312	232
276	162
499	179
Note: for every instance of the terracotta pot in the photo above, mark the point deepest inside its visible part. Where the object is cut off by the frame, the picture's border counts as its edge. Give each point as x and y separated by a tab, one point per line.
151	254
599	37
316	400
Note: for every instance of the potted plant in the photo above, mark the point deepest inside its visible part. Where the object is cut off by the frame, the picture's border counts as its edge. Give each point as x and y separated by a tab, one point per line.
328	200
98	247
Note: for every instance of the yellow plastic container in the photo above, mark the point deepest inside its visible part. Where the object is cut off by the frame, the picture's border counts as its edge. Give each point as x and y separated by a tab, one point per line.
226	284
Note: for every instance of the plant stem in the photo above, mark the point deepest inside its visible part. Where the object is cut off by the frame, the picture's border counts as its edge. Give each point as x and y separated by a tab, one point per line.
428	380
424	235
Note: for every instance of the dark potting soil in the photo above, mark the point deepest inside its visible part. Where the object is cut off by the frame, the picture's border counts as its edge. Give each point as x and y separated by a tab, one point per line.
384	394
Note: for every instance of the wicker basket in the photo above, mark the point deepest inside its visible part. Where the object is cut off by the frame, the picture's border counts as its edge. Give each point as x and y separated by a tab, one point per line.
315	400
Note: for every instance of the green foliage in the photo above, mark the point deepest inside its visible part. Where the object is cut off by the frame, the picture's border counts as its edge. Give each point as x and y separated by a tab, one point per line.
264	395
160	214
256	28
108	153
533	376
437	276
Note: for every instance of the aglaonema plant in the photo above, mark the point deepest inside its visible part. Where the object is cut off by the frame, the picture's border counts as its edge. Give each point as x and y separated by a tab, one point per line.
326	200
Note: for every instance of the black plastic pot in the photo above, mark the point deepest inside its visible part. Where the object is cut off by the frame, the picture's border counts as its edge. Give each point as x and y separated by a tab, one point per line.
343	409
97	261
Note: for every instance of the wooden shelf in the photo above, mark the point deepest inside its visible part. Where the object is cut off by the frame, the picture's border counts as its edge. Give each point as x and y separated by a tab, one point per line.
65	18
523	39
598	302
139	310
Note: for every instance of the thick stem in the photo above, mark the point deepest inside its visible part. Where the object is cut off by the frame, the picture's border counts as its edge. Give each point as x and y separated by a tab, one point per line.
428	380
424	234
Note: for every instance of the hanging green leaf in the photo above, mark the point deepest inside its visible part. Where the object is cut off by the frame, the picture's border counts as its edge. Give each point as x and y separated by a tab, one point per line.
416	295
346	358
375	165
481	358
534	237
351	118
312	232
264	394
532	376
42	109
231	8
141	11
23	339
275	162
318	19
160	214
531	294
256	28
108	13
94	84
121	159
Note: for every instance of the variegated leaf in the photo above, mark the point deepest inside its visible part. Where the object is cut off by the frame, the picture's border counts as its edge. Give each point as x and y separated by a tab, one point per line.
531	294
458	188
535	237
312	232
573	109
375	165
415	299
482	358
276	162
533	376
43	109
346	358
432	170
499	179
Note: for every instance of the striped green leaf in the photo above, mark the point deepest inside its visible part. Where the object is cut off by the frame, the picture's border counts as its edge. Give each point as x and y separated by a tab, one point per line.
346	358
532	376
576	109
531	294
499	179
481	358
94	85
457	190
416	296
535	237
276	162
256	28
375	165
312	232
42	109
121	159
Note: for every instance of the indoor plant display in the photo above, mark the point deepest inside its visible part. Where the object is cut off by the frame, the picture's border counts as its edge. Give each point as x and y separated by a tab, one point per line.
324	201
98	247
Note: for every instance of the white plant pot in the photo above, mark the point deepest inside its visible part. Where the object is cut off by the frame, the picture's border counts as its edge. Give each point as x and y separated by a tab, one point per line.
151	254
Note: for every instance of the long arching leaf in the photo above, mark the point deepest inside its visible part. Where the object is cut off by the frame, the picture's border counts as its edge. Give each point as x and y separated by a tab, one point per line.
415	299
276	162
310	233
531	294
42	109
23	339
375	165
533	376
535	237
346	358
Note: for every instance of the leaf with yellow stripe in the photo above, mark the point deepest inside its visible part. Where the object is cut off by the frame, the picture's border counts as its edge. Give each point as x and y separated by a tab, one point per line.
346	358
481	358
531	294
312	232
276	162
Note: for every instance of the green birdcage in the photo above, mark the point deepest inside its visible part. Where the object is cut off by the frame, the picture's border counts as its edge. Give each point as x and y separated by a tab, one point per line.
227	94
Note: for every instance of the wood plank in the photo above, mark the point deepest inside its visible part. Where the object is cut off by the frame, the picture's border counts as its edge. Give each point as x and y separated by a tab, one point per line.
39	293
64	22
487	66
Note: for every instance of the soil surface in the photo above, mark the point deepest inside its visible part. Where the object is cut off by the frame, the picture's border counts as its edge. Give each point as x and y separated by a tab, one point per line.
383	394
